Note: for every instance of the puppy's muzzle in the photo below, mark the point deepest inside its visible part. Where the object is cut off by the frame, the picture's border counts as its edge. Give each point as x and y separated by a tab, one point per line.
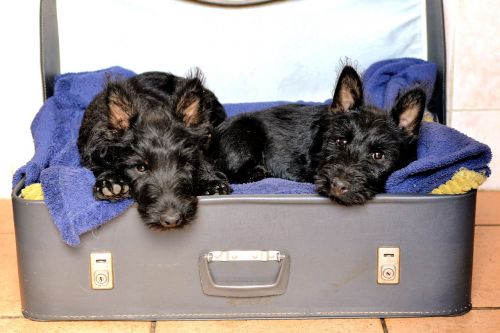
170	219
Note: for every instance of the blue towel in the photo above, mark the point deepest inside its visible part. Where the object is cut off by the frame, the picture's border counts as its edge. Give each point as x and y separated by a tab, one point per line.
273	186
385	80
68	195
441	152
67	186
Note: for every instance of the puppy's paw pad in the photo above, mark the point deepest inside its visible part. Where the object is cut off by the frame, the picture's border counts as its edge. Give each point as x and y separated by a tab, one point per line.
111	188
216	187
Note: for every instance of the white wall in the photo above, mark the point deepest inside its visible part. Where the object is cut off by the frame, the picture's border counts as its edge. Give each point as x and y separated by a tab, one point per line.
20	85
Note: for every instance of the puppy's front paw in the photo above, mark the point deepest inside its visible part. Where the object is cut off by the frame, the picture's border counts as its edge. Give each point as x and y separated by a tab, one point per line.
257	173
109	186
215	186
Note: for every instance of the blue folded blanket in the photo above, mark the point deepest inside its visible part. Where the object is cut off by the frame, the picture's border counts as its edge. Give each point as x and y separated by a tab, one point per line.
441	152
385	80
67	186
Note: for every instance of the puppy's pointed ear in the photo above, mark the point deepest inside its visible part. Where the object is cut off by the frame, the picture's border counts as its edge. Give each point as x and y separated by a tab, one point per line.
349	91
120	109
409	110
189	100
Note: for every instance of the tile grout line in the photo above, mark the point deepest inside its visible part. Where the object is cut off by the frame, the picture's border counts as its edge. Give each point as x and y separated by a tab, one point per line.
479	308
487	225
152	329
10	317
384	325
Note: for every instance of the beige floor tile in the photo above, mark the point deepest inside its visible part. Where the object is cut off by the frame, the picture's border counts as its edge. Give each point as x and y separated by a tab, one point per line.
10	304
486	208
272	326
21	325
476	76
486	271
476	321
6	219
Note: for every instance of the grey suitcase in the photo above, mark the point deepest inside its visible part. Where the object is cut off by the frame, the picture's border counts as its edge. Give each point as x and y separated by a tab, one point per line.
254	256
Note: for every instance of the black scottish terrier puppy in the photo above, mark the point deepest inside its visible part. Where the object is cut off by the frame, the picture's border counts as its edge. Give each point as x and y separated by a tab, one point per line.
348	149
146	138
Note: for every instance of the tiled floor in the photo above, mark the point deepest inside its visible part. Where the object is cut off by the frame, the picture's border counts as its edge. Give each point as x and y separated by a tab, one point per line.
484	318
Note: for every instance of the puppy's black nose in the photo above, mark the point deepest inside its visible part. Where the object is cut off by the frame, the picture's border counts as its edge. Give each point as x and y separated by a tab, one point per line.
339	187
170	219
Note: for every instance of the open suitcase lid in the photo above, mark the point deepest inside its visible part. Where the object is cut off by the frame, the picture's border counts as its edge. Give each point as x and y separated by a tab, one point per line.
249	50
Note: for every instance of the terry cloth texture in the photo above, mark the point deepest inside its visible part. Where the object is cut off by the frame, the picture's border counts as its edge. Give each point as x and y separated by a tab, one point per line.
273	186
462	181
32	192
67	186
441	152
385	80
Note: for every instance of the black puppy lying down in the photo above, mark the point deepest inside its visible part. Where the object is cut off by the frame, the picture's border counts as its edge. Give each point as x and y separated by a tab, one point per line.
146	137
348	149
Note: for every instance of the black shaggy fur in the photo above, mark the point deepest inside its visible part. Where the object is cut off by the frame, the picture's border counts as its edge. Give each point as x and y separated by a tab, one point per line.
347	149
146	138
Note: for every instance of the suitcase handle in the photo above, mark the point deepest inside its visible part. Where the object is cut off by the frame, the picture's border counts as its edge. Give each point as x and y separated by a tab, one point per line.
212	288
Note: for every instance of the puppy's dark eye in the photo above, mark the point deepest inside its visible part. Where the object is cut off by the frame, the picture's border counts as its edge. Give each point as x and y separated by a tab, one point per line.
141	168
378	155
340	142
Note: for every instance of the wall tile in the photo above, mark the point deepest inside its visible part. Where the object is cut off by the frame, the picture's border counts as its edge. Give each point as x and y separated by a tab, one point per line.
483	126
476	58
450	10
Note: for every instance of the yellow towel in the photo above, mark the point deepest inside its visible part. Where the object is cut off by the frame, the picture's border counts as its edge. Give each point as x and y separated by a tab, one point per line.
428	117
462	181
32	192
